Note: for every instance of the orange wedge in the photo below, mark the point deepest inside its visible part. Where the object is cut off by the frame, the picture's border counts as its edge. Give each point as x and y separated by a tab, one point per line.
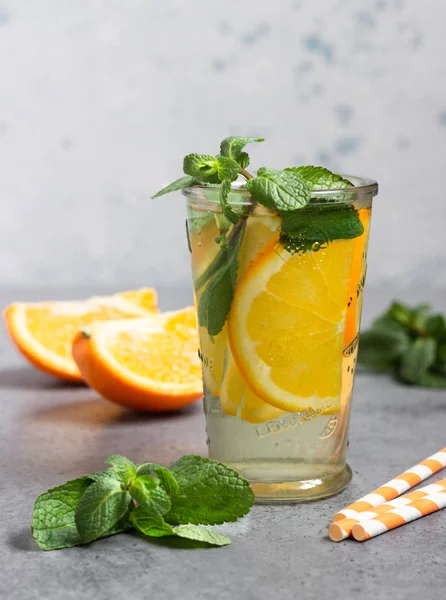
146	364
43	331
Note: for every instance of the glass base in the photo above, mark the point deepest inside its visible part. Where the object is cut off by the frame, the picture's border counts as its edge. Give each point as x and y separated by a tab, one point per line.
304	490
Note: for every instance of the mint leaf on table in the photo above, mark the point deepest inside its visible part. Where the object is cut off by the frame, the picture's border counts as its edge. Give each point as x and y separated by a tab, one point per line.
179	184
381	349
123	467
233	146
101	506
435	326
315	225
408	341
215	302
210	493
320	178
148	524
165	476
400	313
432	380
147	491
279	190
194	491
198	534
53	523
152	526
417	360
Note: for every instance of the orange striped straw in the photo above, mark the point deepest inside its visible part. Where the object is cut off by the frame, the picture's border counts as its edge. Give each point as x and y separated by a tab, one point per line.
395	487
341	530
399	516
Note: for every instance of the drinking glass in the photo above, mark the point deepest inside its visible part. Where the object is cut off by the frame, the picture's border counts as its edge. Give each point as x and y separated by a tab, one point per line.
279	308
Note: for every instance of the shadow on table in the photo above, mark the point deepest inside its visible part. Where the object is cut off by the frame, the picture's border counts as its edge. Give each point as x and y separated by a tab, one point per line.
175	542
96	411
22	541
27	378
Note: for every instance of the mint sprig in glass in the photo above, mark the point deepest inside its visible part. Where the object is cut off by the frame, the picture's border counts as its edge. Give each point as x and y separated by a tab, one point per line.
278	260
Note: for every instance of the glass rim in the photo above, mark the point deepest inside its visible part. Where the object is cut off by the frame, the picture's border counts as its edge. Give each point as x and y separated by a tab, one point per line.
363	187
364	184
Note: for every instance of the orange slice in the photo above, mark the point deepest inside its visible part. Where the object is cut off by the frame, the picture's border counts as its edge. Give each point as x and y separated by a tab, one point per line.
286	326
238	399
43	331
357	276
259	232
145	364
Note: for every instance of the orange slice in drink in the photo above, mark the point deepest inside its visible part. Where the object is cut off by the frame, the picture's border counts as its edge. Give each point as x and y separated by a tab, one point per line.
238	399
357	276
286	326
146	364
43	331
259	232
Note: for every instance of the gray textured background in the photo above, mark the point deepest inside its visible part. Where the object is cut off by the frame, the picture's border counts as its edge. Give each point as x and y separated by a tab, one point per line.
99	101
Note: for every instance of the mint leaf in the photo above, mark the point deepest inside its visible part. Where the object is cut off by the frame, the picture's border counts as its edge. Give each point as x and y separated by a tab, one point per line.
152	526
435	326
227	168
229	213
233	243
123	467
216	299
399	312
101	506
320	178
148	524
192	532
315	225
165	476
233	146
381	349
146	490
417	360
243	160
200	165
433	380
179	184
418	318
53	523
210	493
387	323
279	190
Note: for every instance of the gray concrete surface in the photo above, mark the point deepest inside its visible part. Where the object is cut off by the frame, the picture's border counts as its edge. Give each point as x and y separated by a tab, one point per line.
51	432
101	100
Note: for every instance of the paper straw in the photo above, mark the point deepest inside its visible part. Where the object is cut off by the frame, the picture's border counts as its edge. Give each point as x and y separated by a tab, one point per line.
341	530
398	516
393	488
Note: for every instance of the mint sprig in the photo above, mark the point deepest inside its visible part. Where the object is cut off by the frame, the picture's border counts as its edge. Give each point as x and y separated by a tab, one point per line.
150	498
287	192
409	342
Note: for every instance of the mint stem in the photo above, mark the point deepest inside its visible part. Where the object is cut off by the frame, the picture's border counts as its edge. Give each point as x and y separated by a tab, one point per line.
245	174
222	256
